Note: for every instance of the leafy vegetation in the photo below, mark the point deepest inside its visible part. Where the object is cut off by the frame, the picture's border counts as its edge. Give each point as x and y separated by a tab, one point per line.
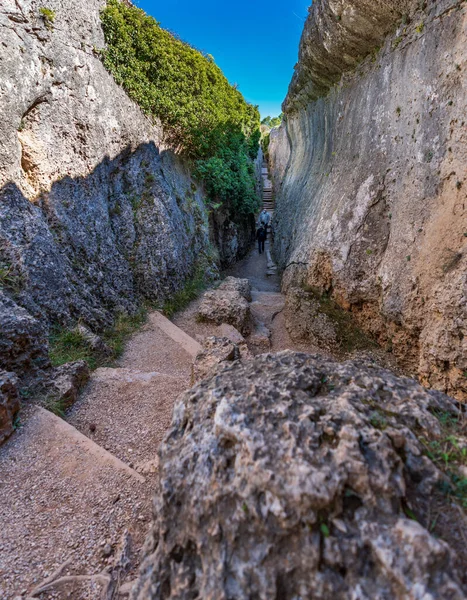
68	345
10	278
272	121
204	117
449	453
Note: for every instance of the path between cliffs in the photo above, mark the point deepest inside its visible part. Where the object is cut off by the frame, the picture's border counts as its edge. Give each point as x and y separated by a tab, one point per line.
70	489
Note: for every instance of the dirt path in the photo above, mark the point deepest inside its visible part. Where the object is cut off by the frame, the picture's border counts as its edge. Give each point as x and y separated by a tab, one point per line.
70	490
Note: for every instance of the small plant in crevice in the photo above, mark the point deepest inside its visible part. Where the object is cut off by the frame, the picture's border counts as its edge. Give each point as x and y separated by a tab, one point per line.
49	17
420	27
55	405
190	291
449	453
428	156
69	345
10	278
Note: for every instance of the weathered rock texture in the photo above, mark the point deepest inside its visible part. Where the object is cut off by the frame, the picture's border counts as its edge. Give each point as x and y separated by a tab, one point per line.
288	477
215	351
370	176
9	403
229	304
95	215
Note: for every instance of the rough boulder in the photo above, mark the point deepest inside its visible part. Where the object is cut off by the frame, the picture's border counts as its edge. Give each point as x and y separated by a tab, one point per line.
229	303
291	477
9	404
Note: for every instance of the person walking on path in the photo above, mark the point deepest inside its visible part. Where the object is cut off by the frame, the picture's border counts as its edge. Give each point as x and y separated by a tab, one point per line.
261	236
264	218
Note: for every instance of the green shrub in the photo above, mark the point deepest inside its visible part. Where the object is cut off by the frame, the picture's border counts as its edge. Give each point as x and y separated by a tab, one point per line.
204	117
192	289
48	15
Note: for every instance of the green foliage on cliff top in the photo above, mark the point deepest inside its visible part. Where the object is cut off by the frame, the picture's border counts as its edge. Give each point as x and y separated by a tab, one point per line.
272	121
204	117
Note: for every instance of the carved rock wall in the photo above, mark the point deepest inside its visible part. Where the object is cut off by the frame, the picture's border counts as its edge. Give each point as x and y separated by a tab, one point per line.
370	176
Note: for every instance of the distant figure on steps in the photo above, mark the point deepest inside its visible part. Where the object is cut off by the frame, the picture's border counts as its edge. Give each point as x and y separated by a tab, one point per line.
261	236
264	218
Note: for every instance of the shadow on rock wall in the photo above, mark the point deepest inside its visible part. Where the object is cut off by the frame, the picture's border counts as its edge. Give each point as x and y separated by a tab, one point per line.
134	229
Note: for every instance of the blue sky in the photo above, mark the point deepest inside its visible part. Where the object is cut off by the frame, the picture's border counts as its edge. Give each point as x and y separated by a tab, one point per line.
255	42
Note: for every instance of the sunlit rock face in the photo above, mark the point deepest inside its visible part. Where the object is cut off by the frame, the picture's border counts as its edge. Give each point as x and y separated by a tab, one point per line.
96	215
369	169
289	477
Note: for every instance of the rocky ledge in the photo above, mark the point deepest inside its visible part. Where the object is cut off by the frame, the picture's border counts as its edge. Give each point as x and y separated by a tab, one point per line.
292	477
337	36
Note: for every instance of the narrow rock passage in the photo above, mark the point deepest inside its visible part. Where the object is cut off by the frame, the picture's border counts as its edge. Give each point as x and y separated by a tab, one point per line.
70	490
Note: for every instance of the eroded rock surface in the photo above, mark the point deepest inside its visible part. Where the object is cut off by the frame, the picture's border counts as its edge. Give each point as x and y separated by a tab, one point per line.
228	304
370	177
234	284
9	403
215	351
288	477
65	382
23	340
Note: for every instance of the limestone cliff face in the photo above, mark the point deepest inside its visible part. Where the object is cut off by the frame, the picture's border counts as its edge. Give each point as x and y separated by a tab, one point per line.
370	176
95	215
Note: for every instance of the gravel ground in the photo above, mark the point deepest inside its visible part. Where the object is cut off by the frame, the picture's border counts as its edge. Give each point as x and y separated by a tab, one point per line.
59	500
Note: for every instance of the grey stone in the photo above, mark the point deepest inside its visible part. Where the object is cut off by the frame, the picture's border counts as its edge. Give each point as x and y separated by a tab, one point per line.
23	340
370	178
242	286
65	382
305	321
94	341
226	306
215	351
9	403
287	477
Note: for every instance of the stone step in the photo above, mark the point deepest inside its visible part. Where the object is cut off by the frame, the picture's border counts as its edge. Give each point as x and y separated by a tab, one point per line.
183	339
128	411
62	497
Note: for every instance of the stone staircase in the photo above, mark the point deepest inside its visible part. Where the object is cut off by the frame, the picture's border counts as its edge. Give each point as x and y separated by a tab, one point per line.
268	198
71	489
268	204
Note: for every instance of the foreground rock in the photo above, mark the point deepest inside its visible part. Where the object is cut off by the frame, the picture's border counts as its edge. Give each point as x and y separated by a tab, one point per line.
229	304
288	478
9	404
65	382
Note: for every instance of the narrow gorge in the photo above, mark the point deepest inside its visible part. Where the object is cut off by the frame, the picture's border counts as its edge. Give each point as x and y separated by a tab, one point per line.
182	416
